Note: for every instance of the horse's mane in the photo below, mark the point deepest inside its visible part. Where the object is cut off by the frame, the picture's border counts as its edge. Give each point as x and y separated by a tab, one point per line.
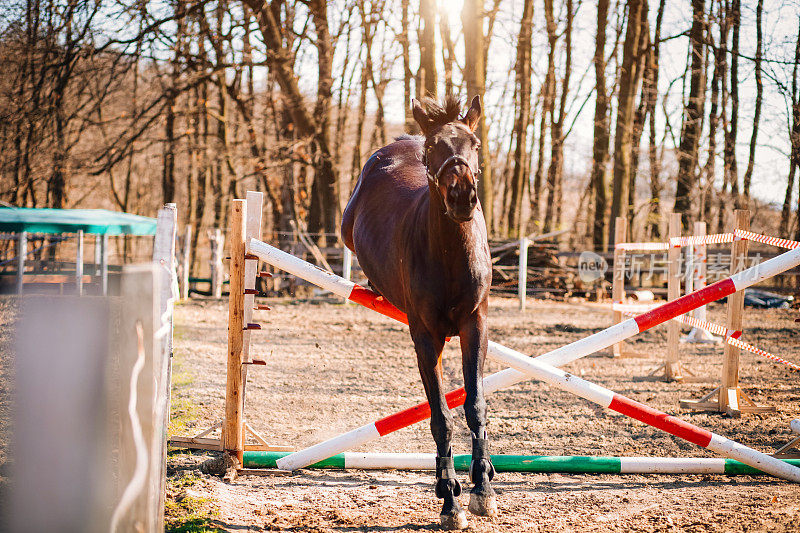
441	113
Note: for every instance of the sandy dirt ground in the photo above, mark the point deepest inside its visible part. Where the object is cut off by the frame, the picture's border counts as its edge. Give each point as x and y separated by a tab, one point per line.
331	368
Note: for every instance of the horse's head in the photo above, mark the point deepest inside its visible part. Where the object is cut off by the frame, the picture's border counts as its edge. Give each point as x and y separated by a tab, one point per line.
451	153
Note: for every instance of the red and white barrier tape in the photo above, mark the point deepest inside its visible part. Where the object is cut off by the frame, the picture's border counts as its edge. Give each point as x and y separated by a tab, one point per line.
642	246
732	338
774	241
750	348
695	240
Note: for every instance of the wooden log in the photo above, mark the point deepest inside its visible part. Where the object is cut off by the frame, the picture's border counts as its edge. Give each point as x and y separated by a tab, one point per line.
233	427
618	281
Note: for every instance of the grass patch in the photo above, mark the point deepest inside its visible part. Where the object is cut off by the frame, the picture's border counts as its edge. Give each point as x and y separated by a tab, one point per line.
182	410
185	512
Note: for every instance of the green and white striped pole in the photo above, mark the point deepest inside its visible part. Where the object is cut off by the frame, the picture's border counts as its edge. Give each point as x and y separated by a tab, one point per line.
565	464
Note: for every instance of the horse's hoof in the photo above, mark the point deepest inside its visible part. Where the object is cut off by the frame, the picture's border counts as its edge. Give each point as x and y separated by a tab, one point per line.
483	505
452	522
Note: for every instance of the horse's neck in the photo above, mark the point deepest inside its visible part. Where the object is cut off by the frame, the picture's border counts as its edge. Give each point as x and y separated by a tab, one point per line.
446	238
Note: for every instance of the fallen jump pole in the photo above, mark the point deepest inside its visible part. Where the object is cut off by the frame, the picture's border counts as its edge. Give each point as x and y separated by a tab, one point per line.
564	464
524	367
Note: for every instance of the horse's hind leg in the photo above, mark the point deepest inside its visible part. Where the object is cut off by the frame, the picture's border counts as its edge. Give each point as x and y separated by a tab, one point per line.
482	500
448	488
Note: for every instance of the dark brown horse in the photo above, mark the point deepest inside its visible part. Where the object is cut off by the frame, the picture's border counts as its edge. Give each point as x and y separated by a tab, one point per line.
418	231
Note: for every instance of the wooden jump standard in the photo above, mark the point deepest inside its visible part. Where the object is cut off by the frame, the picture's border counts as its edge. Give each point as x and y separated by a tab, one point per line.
542	368
245	223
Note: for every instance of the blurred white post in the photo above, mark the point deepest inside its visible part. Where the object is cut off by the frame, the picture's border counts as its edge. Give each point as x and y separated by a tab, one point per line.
347	266
522	283
167	293
217	242
79	265
22	252
61	480
696	266
97	253
104	264
185	262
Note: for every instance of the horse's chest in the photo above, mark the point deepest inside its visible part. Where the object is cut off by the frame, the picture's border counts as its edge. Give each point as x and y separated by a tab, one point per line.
452	290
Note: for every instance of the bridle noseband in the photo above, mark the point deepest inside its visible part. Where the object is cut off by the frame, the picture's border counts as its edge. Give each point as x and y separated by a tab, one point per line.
453	159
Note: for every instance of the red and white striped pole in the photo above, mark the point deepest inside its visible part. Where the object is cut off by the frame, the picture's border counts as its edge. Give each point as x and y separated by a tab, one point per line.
541	367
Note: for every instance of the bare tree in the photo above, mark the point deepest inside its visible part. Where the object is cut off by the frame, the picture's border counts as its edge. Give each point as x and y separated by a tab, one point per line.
427	47
472	17
748	175
794	155
630	78
692	116
602	132
520	178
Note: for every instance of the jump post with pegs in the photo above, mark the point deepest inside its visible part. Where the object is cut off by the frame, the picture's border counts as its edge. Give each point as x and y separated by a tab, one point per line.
672	367
245	223
542	368
729	397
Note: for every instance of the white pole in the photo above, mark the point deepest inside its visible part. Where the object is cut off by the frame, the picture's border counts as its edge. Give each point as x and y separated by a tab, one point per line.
347	266
522	283
79	265
22	251
104	264
185	261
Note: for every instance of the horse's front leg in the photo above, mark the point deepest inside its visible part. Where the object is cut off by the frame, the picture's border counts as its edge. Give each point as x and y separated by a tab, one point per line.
429	351
474	341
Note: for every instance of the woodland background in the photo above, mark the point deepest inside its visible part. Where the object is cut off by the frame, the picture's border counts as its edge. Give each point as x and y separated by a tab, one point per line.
591	109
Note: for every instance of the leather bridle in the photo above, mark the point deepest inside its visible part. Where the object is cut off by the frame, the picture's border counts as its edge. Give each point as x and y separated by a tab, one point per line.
453	159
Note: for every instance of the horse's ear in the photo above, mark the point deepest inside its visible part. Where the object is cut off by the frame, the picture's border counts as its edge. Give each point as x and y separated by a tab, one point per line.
421	116
473	113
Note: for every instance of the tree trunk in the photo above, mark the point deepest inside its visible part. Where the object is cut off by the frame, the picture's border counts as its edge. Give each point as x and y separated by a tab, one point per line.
520	176
602	132
713	123
475	76
794	156
654	209
733	125
748	175
555	172
405	44
724	29
629	81
427	46
693	112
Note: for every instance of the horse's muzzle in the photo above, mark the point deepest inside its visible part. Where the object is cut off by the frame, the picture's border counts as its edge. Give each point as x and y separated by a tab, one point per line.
461	202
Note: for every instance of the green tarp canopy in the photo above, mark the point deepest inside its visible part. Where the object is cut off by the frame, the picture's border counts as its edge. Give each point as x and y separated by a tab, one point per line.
94	221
